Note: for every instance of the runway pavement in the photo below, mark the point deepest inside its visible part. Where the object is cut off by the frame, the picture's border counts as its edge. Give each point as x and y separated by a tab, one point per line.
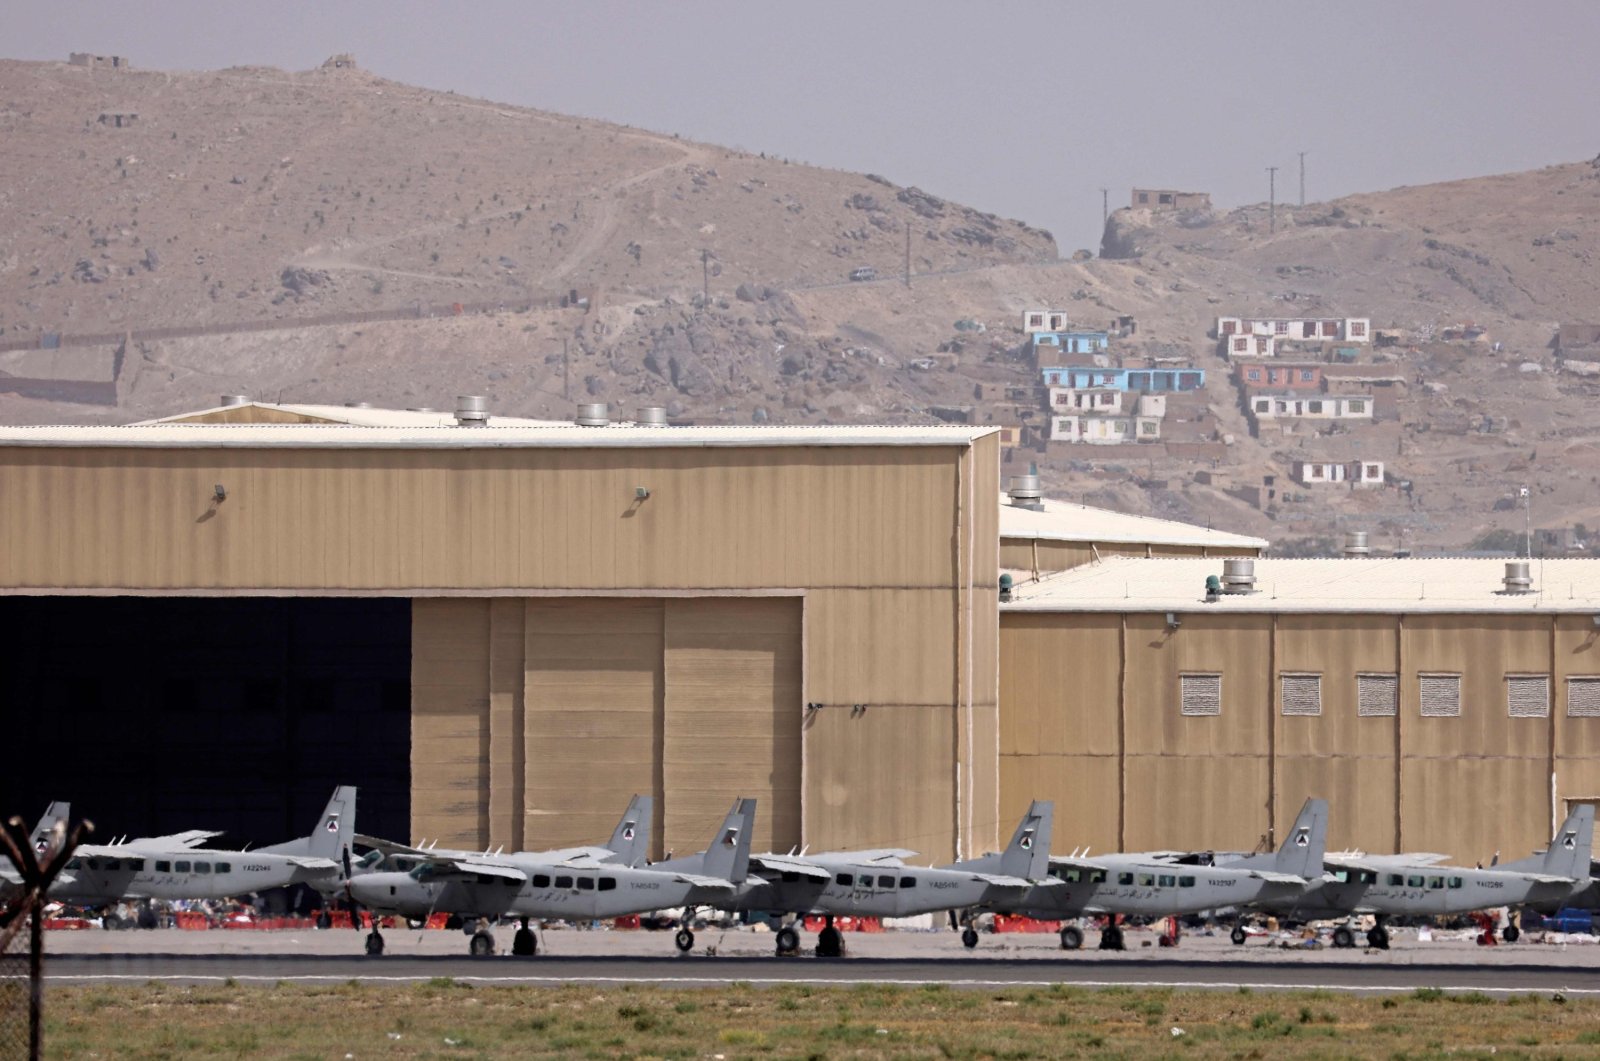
912	958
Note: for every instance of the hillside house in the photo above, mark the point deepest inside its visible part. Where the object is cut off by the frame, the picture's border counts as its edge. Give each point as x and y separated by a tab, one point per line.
1168	199
1101	430
1578	342
110	62
1072	342
1355	473
1300	377
1099	400
1044	320
1266	409
1142	380
1237	346
1316	329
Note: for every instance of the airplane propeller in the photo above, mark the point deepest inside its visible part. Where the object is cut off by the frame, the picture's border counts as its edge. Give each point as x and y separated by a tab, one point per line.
355	907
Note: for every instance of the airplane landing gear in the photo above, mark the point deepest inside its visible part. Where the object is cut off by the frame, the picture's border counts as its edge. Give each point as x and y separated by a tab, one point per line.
969	936
830	943
1343	938
1511	933
1111	936
1237	935
482	945
1378	936
684	940
788	941
375	942
524	944
1071	937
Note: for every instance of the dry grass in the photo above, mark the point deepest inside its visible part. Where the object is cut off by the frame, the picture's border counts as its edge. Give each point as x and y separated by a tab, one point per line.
447	1019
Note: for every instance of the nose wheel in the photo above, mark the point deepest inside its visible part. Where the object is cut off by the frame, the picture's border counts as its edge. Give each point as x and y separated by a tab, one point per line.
1237	935
482	945
969	937
1343	938
374	943
524	944
684	940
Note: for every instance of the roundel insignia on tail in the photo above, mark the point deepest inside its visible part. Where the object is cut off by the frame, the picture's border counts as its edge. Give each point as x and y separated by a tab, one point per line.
1570	842
627	833
1026	843
1302	839
333	823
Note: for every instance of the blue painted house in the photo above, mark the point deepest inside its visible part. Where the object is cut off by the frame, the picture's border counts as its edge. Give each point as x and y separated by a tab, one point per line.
1138	380
1073	342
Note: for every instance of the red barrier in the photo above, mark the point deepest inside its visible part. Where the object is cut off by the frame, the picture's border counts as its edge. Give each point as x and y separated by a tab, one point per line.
67	924
845	923
191	921
628	922
1018	923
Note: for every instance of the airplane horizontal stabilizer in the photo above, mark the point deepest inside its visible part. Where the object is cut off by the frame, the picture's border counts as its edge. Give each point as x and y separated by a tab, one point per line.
1277	878
704	882
774	864
311	862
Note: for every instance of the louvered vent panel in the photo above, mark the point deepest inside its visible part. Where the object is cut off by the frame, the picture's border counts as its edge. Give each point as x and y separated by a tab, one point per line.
1377	695
1528	695
1440	695
1302	694
1201	694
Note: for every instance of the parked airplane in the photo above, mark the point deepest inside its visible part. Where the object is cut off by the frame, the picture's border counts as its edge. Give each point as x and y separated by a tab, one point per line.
1148	885
572	884
878	883
172	867
1418	885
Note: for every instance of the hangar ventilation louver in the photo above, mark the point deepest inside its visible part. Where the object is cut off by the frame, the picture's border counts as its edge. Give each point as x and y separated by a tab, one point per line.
1200	694
1377	695
1528	695
1583	697
1302	694
1440	695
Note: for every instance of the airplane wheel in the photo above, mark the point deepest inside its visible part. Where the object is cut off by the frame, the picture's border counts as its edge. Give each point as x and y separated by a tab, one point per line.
1111	938
1378	938
684	940
788	941
524	944
482	945
1511	933
374	944
1343	938
1237	935
1071	938
969	937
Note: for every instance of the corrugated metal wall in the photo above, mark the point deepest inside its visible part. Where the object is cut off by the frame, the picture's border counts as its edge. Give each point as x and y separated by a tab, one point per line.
1089	698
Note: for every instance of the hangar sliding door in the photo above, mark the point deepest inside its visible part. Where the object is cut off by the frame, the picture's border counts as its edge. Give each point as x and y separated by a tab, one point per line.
732	718
593	696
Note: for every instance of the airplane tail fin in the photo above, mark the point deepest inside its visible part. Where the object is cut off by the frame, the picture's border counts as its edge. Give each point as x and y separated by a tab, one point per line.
42	836
1028	854
1302	850
631	838
336	829
1568	855
727	857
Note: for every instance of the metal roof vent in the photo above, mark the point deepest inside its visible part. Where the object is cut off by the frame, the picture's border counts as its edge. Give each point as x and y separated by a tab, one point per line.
1238	576
358	405
593	414
420	409
230	400
653	416
1025	492
1519	577
472	410
1355	544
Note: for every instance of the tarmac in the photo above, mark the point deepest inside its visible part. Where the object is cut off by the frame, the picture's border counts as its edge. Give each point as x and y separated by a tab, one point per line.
1450	961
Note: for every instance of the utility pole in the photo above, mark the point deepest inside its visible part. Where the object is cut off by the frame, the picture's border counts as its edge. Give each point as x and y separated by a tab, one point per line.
705	281
1527	522
908	254
1272	198
566	374
1105	208
1302	178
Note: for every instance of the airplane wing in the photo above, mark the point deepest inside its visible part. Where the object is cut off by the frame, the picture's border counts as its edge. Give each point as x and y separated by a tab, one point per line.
311	862
776	864
389	847
470	868
1276	878
1079	863
1002	881
880	855
703	882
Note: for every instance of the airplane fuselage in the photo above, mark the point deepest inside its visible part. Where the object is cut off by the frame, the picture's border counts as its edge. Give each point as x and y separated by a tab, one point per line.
549	892
1424	891
866	891
98	878
1145	890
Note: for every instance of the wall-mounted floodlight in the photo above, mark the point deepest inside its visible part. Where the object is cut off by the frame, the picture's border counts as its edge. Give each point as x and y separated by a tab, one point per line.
1173	621
219	493
641	492
1595	619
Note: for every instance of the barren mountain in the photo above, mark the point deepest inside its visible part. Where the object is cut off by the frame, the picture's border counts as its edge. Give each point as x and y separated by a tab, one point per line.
328	235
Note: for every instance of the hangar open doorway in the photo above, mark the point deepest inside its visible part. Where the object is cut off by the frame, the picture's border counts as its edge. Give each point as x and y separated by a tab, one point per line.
156	714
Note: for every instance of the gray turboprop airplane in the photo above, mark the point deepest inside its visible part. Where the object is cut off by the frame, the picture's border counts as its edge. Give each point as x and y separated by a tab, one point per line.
172	867
1145	884
1416	884
573	885
878	883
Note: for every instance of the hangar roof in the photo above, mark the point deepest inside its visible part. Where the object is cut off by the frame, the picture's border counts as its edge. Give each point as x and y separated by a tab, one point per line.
355	416
1345	585
165	435
1062	521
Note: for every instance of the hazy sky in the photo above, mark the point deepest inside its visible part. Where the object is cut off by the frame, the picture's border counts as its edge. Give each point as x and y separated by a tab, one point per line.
1022	109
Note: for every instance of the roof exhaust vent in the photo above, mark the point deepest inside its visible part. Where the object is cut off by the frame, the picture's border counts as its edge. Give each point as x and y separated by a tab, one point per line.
1025	492
593	414
420	409
1355	544
653	416
230	400
358	405
472	410
1519	577
1239	576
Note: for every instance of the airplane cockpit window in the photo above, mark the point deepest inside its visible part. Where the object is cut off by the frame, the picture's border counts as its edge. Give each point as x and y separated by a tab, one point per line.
789	878
74	863
111	865
224	867
1186	882
1436	882
885	881
908	882
1342	876
563	882
401	865
488	878
1097	876
1124	878
372	858
541	880
1366	876
1166	881
608	884
94	864
202	867
162	866
421	873
844	879
1072	876
1414	881
180	867
586	884
1455	882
